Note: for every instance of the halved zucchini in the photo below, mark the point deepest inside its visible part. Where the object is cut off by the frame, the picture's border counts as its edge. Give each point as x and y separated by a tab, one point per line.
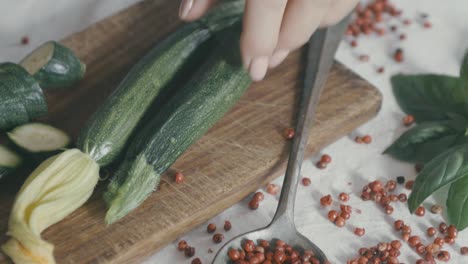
9	161
39	138
21	97
54	65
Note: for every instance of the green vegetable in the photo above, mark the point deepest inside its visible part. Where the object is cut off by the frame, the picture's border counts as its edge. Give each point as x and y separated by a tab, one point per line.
109	129
423	142
448	167
21	97
457	203
54	65
429	97
39	140
214	89
9	161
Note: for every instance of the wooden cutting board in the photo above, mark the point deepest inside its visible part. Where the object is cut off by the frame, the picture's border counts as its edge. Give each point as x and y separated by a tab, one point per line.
242	152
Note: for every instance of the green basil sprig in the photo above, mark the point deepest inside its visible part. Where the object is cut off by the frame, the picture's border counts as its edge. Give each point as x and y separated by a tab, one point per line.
439	104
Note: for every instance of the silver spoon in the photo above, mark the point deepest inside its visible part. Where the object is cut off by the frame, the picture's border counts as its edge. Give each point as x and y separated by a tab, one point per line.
321	51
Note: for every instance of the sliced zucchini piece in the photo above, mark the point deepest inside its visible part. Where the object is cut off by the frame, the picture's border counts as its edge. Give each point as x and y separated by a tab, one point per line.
39	138
9	161
54	65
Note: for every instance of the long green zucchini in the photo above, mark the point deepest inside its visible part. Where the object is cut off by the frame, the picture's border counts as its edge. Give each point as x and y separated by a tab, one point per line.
214	89
9	161
64	182
54	65
21	97
106	134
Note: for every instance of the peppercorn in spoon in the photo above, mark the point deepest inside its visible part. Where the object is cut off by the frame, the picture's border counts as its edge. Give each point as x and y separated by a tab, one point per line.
321	50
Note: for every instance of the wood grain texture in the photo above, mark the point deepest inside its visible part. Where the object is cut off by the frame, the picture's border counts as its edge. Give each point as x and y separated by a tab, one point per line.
242	152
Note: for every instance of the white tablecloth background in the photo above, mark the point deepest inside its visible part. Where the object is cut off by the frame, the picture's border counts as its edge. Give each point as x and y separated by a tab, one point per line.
436	50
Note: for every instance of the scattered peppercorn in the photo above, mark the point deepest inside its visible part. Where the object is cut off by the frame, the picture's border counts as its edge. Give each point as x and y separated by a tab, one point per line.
367	139
380	69
389	209
359	231
420	211
189	252
353	43
332	215
179	177
272	189
358	140
346	208
289	133
364	58
443	256
393	28
398	55
345	215
182	245
408	120
253	204
443	228
431	231
406	22
452	232
464	251
25	40
391	185
414	241
427	24
399	225
321	165
196	261
400	179
402	36
227	226
326	200
211	228
340	221
436	209
439	241
402	197
258	196
306	181
218	238
409	184
344	197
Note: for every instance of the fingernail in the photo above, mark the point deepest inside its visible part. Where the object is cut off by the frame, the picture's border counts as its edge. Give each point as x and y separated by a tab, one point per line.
258	68
278	57
185	7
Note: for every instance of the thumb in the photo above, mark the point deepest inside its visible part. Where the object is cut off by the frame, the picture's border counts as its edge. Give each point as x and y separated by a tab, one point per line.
190	10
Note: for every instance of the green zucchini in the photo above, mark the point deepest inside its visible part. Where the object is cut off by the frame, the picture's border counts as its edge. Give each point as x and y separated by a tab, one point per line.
39	140
109	129
21	97
54	65
214	89
9	161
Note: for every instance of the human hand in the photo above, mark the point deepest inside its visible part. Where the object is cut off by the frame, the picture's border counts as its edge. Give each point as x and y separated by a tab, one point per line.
274	28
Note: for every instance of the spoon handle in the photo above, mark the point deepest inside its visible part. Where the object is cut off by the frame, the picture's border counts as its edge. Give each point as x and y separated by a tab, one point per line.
321	50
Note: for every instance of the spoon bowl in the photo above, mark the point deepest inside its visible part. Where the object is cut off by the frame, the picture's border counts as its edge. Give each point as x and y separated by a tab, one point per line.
282	229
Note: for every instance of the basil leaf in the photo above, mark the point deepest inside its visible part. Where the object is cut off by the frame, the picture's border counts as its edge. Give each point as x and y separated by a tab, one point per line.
429	97
464	70
444	169
423	142
457	203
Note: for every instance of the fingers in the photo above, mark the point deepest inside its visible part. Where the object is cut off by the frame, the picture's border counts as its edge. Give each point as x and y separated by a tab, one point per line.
262	23
301	19
338	10
190	10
